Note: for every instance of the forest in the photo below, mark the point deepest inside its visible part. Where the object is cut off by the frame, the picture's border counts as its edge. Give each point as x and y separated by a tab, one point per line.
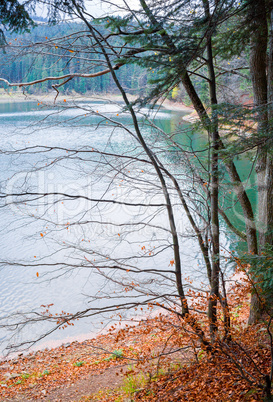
163	222
31	65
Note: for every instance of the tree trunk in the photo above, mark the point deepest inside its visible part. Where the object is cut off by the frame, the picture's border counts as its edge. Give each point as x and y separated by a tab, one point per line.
267	217
214	184
257	62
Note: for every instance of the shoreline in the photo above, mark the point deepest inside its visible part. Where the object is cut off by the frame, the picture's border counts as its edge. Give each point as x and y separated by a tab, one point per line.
79	369
16	97
92	369
54	344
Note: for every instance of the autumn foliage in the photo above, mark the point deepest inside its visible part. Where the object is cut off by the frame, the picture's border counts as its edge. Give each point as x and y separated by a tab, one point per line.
161	359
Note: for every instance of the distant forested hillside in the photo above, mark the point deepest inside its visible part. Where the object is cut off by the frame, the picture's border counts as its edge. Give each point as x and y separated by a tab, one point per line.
21	62
35	55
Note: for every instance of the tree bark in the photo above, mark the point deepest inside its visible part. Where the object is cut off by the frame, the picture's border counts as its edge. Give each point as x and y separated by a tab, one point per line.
257	63
268	202
214	183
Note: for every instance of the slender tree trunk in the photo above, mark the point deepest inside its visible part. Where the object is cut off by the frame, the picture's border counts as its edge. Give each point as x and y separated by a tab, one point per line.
214	183
185	313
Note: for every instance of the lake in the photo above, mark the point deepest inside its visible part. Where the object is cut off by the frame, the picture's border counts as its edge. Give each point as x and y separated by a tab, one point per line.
85	218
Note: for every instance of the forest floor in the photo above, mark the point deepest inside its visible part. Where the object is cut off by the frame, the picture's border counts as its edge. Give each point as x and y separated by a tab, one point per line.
160	359
76	370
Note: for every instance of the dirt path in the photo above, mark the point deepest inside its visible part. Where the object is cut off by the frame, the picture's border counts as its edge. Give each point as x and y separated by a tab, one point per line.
74	391
77	369
86	386
66	373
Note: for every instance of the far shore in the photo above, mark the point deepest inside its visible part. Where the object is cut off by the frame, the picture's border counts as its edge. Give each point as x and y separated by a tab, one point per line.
14	97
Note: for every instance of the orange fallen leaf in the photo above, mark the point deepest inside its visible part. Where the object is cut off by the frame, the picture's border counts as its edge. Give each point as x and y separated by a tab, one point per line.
37	274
